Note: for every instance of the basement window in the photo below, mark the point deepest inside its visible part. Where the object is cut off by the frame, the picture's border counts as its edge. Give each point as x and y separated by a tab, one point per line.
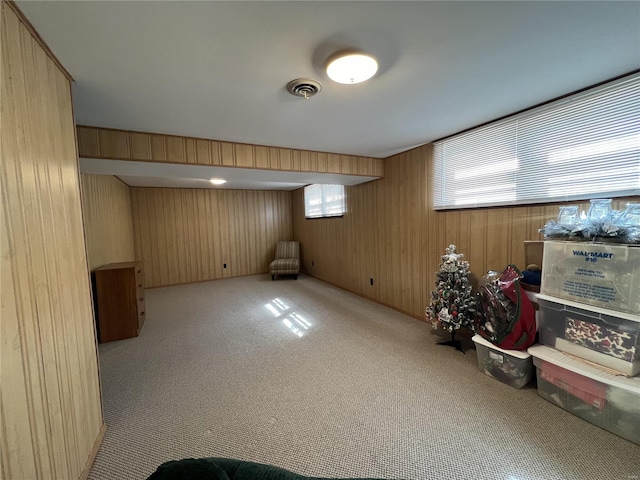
322	201
583	146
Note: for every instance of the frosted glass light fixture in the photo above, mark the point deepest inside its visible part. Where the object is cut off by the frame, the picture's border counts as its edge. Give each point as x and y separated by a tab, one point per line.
218	181
351	67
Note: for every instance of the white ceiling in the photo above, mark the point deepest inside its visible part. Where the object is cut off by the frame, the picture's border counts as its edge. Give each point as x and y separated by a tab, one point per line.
219	70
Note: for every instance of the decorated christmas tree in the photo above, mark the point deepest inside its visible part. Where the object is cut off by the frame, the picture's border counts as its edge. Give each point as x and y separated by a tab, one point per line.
453	304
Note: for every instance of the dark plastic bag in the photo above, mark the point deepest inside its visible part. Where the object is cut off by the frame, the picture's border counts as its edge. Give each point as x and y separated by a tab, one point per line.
508	318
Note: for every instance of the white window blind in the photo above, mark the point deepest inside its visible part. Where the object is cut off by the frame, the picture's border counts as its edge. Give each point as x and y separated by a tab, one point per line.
580	147
324	201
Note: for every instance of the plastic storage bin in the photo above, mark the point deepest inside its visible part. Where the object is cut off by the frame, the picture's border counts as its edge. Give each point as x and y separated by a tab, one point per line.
608	338
601	274
608	401
512	367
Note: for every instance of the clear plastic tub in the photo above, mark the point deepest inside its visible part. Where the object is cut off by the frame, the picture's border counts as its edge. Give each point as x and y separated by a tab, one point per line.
513	367
605	337
609	401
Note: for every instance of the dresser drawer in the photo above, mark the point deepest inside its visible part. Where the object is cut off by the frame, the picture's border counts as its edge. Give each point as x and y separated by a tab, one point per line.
119	300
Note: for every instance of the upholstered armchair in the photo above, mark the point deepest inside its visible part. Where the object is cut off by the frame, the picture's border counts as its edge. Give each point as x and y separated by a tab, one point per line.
287	260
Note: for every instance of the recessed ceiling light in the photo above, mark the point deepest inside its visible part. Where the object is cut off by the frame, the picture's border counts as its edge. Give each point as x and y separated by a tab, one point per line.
218	181
350	67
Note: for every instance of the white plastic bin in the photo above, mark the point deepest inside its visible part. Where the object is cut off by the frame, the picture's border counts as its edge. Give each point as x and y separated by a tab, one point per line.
601	274
513	367
611	402
606	337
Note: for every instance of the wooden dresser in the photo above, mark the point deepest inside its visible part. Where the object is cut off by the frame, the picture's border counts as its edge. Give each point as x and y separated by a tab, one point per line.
119	300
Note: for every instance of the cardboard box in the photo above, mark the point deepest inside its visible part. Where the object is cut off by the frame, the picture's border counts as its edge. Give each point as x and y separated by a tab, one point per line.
600	274
513	367
608	401
606	337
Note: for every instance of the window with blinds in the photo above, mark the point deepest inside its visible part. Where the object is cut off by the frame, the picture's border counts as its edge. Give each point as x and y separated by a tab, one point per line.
324	201
583	146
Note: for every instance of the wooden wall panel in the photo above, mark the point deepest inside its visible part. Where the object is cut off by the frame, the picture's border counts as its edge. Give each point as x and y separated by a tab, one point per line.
140	144
158	148
95	142
190	144
391	233
285	161
114	144
262	157
187	235
51	417
203	152
244	156
295	160
175	149
108	221
378	237
88	142
227	154
321	162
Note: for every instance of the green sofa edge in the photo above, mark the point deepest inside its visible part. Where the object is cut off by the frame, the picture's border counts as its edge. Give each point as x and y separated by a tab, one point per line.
218	468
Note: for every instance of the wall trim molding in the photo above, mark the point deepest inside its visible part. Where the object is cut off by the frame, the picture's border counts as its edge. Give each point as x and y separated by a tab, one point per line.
372	299
211	280
93	453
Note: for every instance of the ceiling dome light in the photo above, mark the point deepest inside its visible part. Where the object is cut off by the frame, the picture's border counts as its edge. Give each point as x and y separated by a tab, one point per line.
351	67
217	181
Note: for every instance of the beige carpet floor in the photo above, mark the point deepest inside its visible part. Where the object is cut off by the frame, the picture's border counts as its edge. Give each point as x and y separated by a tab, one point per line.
305	376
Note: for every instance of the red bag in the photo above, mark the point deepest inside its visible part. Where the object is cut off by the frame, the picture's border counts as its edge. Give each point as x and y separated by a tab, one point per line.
508	319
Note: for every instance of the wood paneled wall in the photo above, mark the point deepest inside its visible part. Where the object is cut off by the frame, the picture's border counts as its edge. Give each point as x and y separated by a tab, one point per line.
108	220
379	237
112	144
187	235
51	417
391	233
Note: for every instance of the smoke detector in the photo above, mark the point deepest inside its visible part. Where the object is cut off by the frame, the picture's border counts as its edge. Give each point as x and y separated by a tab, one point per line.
304	87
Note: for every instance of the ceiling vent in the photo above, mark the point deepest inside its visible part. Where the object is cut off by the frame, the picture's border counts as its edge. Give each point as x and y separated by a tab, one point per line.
304	87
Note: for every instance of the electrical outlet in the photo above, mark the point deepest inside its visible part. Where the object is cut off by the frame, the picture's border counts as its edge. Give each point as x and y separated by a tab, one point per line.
371	281
224	265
